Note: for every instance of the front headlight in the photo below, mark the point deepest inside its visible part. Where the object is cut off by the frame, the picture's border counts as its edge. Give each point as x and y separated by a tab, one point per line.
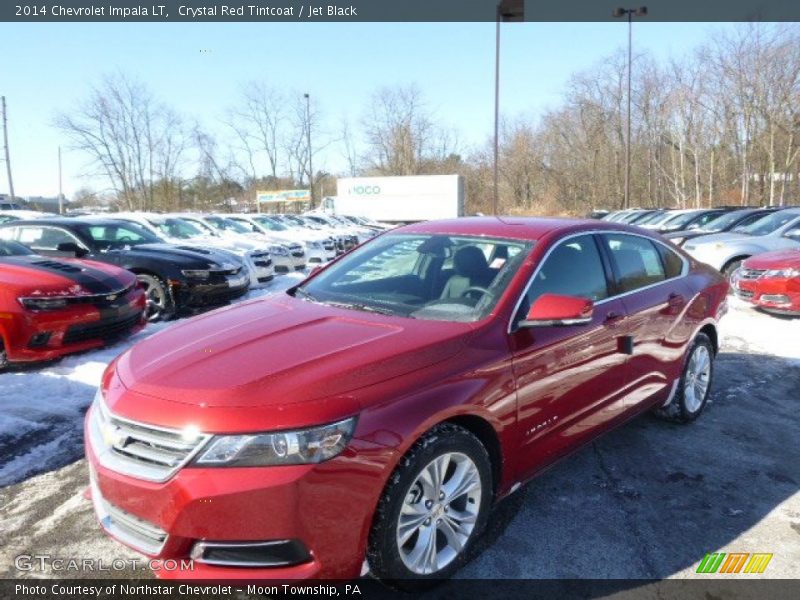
198	274
43	303
784	273
279	251
303	446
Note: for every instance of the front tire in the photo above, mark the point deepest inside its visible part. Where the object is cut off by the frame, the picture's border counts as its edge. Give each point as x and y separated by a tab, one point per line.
3	357
435	505
694	385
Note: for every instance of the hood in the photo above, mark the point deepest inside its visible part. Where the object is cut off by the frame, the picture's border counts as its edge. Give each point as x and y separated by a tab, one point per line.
725	237
184	256
44	276
279	351
783	259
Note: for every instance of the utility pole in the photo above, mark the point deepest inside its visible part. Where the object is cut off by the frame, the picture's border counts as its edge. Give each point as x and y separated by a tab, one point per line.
60	194
630	13
308	143
5	144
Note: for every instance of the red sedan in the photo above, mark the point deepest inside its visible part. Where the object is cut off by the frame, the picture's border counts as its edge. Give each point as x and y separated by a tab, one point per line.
771	281
52	307
370	417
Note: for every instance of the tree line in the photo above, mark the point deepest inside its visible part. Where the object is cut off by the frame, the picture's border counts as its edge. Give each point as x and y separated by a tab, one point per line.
717	126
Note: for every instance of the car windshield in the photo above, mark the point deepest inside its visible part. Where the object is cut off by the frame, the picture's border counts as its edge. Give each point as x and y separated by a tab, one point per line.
721	223
117	235
9	248
224	224
680	220
658	218
434	277
178	228
768	224
270	224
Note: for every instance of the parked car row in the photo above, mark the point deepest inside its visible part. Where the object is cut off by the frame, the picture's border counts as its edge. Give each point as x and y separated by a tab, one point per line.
171	264
757	249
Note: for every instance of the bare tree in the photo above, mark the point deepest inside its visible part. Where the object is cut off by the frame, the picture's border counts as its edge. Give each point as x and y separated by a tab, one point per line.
130	138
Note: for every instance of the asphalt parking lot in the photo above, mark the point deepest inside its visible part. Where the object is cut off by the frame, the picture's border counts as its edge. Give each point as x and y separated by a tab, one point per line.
646	501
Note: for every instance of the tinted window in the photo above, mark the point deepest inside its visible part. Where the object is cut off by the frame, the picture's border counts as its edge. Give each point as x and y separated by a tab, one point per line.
637	259
673	264
573	268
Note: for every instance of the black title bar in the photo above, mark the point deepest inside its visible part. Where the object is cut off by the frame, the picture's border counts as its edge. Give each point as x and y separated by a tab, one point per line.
392	10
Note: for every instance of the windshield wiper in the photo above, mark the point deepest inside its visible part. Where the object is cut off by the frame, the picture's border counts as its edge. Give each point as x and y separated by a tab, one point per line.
359	306
304	294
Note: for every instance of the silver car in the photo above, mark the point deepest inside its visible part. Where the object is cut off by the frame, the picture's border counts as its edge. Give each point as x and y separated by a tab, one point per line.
726	251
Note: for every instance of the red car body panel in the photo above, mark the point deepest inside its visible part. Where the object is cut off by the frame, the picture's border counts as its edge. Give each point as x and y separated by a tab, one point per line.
534	395
18	325
778	294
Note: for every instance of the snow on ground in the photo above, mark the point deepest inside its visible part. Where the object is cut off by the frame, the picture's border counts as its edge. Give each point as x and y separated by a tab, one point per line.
752	331
42	406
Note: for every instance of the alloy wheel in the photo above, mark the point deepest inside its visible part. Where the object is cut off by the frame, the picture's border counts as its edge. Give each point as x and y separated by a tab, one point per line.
156	297
698	376
439	513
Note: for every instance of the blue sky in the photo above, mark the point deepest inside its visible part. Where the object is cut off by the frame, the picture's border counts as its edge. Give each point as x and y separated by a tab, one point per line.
53	65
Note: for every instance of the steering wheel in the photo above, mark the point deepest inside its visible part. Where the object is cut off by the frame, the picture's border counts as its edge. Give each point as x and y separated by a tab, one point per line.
476	291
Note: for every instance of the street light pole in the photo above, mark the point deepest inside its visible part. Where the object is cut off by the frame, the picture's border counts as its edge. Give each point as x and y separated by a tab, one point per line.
630	13
308	143
60	188
496	112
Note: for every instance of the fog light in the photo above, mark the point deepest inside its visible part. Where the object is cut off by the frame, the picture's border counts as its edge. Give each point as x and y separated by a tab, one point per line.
276	553
40	339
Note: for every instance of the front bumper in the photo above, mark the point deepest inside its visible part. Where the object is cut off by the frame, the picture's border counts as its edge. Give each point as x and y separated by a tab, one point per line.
775	294
325	509
39	336
196	295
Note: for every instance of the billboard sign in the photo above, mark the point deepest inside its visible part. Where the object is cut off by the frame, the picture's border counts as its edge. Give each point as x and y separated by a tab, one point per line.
275	196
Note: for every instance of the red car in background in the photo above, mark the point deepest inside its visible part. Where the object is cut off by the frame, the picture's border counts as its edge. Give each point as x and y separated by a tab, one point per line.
368	418
771	281
51	307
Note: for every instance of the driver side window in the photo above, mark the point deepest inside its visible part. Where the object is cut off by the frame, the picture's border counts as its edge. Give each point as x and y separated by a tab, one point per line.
573	268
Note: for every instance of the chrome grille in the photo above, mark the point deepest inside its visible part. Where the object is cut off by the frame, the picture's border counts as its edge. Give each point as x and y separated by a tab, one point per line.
745	294
750	273
140	450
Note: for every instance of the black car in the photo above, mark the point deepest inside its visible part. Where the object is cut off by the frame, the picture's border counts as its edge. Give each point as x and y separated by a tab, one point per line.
727	221
177	279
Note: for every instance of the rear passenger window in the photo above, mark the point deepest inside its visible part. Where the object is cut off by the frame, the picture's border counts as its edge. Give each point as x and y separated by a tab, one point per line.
637	259
673	264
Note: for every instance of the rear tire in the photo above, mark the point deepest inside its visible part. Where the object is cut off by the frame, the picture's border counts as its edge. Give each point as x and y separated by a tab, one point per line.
694	385
160	306
434	507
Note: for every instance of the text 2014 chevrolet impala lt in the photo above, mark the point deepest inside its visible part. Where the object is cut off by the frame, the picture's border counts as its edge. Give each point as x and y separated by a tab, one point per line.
372	415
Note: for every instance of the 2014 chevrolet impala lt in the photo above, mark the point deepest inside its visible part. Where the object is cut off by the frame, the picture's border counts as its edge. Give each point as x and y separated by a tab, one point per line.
371	416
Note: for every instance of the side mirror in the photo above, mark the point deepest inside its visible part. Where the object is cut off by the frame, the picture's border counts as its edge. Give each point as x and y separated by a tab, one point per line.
554	309
72	248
